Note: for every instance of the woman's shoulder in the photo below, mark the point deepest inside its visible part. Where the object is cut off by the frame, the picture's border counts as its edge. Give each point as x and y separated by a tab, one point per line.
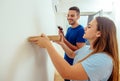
102	54
101	57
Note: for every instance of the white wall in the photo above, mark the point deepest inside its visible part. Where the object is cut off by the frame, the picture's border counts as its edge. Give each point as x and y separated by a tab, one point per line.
19	59
85	5
61	20
117	19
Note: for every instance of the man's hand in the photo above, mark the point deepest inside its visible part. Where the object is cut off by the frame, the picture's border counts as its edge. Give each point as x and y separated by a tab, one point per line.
60	30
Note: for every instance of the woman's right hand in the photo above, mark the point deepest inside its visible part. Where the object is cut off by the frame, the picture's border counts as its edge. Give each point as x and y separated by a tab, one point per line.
42	41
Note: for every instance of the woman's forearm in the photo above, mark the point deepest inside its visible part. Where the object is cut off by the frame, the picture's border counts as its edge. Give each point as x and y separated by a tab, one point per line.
61	65
72	47
68	51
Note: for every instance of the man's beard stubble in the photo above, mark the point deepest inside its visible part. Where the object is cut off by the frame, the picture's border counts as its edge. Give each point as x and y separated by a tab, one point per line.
71	23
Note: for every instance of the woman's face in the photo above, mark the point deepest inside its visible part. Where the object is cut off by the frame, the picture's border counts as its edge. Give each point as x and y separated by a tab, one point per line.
91	32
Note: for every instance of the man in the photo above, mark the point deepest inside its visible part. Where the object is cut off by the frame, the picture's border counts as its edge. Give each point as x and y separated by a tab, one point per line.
74	35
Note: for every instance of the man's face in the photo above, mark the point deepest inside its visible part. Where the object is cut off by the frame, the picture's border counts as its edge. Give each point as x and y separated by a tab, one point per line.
72	17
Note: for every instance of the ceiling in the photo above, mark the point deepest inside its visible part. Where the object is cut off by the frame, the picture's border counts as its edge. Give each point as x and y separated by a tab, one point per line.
87	7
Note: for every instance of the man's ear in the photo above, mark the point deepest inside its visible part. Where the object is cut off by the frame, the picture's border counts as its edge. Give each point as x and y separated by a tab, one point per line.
78	17
98	34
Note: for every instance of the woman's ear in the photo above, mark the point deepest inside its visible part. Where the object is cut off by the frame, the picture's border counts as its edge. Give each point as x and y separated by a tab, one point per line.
98	34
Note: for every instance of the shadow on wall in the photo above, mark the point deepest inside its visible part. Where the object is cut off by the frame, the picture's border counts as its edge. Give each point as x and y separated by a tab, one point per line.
29	63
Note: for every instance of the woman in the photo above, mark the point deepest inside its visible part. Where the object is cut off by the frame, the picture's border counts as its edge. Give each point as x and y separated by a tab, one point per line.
97	62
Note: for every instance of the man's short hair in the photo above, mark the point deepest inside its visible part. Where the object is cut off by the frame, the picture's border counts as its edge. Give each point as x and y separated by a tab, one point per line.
76	9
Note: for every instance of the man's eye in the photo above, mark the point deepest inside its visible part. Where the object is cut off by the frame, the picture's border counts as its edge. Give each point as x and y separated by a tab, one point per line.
88	27
70	15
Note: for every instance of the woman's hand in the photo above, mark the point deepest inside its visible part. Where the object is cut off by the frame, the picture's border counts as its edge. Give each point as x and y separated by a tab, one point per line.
42	41
61	41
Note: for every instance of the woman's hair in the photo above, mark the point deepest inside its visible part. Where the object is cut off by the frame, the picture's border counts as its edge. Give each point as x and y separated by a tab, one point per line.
107	42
